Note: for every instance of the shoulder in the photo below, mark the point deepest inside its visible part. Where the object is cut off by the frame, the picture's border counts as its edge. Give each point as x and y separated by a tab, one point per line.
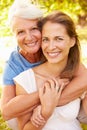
13	63
17	62
25	78
13	56
13	66
24	74
81	70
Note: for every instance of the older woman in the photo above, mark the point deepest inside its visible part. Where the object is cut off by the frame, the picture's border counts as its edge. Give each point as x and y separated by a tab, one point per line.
23	20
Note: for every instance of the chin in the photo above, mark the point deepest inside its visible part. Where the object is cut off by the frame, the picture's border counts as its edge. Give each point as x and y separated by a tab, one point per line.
53	62
33	50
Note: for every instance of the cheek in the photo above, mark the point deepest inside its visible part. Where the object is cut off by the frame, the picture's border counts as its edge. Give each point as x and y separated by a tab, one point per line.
65	45
43	47
66	50
19	40
38	35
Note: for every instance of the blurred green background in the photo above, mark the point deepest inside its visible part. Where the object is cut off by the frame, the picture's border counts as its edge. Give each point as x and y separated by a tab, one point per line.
77	9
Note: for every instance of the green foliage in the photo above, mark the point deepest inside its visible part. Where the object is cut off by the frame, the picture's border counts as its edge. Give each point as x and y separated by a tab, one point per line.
3	125
0	91
84	126
4	7
70	5
75	8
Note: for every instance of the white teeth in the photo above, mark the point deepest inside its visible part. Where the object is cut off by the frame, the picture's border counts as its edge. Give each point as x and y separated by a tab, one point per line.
53	54
30	45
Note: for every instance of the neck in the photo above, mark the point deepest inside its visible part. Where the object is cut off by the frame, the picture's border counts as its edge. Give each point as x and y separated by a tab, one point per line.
55	69
32	58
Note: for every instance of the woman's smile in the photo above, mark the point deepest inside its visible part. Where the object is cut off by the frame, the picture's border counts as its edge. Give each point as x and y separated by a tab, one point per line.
53	54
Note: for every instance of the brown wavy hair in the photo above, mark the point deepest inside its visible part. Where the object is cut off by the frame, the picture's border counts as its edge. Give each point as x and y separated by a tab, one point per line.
74	53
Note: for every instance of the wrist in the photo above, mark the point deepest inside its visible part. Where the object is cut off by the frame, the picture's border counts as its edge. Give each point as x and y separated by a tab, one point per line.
46	113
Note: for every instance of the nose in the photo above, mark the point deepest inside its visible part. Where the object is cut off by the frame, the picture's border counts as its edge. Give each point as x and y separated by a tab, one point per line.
52	45
28	36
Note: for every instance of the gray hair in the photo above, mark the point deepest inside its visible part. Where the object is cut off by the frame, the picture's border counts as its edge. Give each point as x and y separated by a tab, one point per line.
24	9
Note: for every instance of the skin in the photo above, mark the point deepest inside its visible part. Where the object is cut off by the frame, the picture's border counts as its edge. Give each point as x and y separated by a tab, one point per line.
24	38
84	103
55	45
28	38
60	39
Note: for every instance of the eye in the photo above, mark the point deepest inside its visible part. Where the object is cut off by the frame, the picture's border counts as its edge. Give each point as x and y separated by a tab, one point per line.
45	39
59	38
20	32
34	28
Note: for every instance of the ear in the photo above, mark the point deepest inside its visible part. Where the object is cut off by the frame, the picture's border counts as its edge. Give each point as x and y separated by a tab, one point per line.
73	40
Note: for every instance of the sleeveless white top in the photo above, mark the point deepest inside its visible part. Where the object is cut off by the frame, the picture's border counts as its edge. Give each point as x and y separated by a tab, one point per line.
64	117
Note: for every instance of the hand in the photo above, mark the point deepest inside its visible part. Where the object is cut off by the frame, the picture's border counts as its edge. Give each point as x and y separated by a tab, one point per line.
49	95
64	81
37	119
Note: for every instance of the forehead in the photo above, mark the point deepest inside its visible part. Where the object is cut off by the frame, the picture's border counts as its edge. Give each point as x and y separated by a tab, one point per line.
51	28
18	22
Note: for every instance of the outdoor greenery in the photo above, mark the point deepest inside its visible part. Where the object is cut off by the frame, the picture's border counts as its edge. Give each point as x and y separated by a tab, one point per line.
3	125
77	9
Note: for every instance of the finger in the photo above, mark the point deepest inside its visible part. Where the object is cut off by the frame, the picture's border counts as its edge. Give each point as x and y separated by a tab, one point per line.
39	113
44	91
66	83
40	121
57	86
47	86
41	91
33	122
51	83
65	80
37	122
41	118
60	89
